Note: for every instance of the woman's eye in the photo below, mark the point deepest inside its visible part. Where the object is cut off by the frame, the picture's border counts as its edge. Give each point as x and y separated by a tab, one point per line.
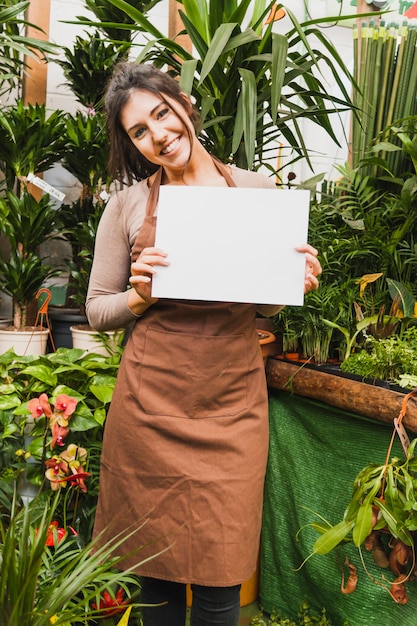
163	112
138	133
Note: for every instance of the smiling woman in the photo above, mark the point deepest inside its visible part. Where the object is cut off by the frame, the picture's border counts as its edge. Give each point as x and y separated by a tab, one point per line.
199	410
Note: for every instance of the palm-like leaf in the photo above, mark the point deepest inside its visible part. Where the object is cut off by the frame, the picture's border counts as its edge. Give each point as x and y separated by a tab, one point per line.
27	222
110	17
23	277
14	46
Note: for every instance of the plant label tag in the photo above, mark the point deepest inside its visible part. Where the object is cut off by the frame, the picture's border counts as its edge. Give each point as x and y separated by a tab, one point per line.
42	184
401	432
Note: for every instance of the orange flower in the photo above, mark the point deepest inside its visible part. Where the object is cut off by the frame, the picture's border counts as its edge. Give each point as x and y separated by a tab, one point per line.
66	405
275	14
40	406
68	467
58	435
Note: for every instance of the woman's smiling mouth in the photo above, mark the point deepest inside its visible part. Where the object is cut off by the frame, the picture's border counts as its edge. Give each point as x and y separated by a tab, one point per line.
171	146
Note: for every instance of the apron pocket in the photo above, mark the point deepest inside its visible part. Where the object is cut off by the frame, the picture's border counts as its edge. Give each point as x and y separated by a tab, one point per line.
193	376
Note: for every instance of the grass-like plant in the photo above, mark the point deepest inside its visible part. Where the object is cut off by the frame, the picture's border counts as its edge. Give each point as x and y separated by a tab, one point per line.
48	577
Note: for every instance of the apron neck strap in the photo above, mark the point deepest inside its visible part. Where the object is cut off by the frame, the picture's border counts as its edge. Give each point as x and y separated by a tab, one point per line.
154	192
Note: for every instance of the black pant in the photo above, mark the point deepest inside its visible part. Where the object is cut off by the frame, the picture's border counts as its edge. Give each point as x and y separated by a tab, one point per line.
211	606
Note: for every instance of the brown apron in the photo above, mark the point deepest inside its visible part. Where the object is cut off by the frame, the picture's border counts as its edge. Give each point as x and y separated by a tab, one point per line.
186	438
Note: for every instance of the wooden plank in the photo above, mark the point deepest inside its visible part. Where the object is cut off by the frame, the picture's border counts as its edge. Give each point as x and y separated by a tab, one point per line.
34	80
368	400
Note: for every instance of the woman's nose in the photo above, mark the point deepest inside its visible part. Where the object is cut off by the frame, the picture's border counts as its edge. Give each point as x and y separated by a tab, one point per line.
159	134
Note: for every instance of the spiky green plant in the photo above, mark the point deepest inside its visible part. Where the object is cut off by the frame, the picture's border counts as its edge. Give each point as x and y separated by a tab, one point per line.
88	66
58	584
27	223
32	139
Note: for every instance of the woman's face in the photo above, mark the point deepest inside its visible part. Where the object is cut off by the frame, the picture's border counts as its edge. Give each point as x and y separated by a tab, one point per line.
156	130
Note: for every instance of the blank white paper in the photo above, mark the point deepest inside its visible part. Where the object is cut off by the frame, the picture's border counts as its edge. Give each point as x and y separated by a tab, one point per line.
232	244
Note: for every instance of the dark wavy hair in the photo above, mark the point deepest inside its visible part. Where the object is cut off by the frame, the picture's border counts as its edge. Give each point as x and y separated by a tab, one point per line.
126	163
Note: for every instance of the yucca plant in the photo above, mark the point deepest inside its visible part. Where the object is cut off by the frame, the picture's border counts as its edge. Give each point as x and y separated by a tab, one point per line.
252	85
114	22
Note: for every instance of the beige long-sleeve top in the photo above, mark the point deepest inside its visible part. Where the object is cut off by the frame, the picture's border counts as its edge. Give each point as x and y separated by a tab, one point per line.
107	306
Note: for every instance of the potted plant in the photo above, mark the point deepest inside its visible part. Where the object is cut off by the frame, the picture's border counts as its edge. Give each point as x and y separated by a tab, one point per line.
26	436
31	141
27	223
53	408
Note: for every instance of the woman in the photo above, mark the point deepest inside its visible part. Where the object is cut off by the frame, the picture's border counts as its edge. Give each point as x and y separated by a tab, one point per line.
186	436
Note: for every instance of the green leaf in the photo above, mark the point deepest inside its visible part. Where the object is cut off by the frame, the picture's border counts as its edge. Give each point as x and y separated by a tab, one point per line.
394	525
279	63
9	402
399	293
363	524
102	393
249	107
41	372
187	75
100	415
332	537
215	50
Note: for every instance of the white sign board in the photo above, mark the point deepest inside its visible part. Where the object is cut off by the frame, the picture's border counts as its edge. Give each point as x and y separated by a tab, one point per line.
232	244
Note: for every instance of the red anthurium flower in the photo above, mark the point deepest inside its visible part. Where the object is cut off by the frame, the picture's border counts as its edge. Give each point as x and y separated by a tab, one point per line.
40	406
111	605
66	405
55	531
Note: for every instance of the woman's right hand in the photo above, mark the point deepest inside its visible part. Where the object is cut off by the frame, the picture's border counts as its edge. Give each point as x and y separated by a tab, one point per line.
142	271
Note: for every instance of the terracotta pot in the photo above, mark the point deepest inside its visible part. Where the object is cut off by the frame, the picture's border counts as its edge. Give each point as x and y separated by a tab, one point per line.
266	339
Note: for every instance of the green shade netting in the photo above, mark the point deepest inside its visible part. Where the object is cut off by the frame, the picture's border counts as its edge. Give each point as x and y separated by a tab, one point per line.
316	451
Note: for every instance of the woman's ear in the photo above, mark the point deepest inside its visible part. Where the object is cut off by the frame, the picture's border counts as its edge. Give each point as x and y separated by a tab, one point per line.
188	106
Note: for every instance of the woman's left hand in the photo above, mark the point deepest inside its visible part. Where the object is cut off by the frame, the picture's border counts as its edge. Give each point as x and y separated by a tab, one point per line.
313	267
